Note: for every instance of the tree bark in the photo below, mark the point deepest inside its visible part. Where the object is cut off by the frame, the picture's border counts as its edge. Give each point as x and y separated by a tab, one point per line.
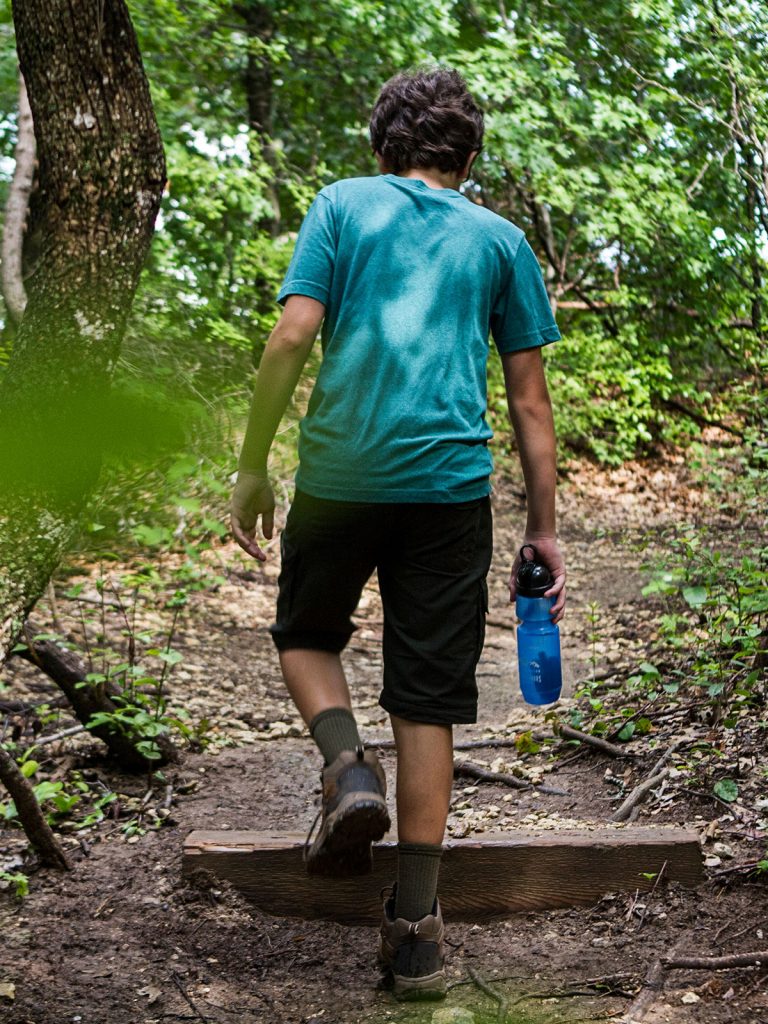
31	816
101	176
260	27
16	208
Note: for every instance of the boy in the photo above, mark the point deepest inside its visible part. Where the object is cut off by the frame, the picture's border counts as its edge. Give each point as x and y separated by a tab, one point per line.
407	277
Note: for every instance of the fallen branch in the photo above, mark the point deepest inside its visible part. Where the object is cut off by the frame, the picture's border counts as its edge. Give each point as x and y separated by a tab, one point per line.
653	985
738	868
69	673
716	963
30	814
568	732
473	771
73	730
491	744
658	773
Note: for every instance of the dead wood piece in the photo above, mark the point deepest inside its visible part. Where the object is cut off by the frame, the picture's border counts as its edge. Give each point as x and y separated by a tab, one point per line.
73	730
67	670
657	775
716	963
30	813
647	995
473	771
568	732
653	985
489	875
491	744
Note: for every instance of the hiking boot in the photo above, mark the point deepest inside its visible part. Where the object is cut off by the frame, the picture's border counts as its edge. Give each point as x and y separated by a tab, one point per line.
412	953
354	814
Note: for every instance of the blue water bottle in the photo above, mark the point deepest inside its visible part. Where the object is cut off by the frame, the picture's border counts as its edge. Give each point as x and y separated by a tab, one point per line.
538	638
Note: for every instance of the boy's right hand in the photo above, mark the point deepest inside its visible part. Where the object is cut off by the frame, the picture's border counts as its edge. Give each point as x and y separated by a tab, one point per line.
550	554
251	498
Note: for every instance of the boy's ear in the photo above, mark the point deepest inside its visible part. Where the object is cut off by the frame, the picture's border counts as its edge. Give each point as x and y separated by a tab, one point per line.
380	161
470	161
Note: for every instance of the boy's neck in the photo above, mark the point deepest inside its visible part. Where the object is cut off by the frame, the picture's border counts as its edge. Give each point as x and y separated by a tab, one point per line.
433	177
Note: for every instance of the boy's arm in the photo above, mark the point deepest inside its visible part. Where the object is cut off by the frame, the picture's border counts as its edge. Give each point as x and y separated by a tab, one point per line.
281	365
530	411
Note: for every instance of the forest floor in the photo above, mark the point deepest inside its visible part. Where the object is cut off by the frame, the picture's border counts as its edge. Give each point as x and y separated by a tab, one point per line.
123	939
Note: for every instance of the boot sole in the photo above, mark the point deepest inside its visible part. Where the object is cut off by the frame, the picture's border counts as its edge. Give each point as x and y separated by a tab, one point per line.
430	987
343	845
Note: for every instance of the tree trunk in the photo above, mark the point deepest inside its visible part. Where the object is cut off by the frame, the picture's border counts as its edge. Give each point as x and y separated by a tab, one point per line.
16	209
101	176
259	25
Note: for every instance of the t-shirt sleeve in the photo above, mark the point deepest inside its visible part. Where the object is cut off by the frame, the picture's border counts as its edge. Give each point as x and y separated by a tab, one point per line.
522	316
310	271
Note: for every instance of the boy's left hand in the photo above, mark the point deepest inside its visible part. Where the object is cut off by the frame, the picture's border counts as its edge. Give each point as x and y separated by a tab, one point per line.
549	552
251	498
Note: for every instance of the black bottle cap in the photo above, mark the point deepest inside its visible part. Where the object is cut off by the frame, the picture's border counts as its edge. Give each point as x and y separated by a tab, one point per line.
533	577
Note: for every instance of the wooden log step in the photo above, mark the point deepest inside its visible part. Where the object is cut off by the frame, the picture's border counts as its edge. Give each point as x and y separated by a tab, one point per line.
491	876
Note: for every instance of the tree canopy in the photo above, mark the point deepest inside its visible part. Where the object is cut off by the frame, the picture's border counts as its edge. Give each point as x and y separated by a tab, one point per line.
630	141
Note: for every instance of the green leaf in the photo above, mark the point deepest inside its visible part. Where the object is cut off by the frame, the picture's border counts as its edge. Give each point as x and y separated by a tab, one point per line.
726	789
626	732
525	743
695	596
29	768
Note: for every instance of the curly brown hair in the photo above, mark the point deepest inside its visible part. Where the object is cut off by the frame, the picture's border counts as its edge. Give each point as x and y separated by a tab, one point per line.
426	118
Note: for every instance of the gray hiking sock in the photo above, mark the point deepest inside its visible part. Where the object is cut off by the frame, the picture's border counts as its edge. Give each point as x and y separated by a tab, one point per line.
418	865
334	730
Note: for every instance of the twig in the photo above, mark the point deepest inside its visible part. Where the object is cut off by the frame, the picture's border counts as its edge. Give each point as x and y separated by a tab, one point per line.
177	982
716	963
501	1014
491	744
473	771
658	879
658	772
568	732
654	980
72	730
736	868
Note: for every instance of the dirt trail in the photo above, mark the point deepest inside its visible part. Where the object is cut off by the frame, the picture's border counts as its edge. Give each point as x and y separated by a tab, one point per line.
122	941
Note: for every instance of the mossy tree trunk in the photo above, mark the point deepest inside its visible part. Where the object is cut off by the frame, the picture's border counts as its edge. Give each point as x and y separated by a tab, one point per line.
101	176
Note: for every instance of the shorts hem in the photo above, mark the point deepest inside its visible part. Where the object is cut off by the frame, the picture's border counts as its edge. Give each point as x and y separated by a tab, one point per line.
429	716
333	643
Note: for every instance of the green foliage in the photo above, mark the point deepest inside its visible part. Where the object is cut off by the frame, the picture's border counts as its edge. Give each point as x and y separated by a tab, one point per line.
624	140
716	603
18	880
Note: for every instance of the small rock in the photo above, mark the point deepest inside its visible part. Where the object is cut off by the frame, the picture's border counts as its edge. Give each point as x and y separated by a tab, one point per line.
722	850
712	862
600	941
453	1015
689	998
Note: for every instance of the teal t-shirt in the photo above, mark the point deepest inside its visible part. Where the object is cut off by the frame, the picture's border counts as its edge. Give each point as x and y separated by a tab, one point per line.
413	279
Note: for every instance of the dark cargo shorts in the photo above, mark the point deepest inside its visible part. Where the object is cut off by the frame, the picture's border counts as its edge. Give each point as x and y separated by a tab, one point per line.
432	562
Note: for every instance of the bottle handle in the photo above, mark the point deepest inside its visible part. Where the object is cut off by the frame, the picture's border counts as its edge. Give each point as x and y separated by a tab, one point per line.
533	549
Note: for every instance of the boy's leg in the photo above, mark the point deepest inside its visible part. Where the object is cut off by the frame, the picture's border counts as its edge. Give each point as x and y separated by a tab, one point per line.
316	682
434	593
424	782
328	553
